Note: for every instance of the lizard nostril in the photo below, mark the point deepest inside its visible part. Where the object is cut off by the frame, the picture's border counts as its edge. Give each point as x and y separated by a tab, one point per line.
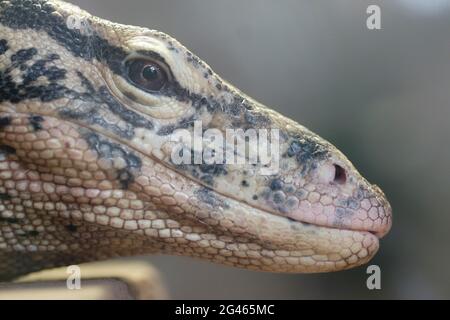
339	174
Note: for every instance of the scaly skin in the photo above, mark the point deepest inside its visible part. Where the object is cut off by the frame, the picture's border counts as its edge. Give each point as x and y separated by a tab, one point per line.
85	159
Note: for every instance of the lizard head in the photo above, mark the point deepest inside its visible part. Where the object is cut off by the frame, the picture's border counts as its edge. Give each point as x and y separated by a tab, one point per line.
128	143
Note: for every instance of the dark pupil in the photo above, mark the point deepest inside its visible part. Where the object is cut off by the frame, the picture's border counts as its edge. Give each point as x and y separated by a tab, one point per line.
146	75
150	73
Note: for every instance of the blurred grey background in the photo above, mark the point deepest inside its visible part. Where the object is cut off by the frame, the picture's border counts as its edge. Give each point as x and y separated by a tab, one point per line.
381	96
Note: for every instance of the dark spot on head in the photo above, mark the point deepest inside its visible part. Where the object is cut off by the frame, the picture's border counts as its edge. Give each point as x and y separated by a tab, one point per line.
166	130
360	193
40	68
255	197
289	188
294	148
35	122
206	195
255	119
244	183
9	220
342	213
71	228
279	197
125	178
5	196
33	233
7	150
306	149
291	202
109	150
352	203
214	169
24	55
208	179
4	122
3	46
276	184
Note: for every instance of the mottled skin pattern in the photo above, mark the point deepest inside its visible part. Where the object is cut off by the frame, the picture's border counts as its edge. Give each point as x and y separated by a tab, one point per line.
86	172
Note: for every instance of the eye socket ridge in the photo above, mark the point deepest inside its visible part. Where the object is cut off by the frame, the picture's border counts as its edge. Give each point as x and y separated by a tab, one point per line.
146	74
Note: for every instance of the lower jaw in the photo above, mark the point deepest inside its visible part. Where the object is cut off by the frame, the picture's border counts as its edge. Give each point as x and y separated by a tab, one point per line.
331	248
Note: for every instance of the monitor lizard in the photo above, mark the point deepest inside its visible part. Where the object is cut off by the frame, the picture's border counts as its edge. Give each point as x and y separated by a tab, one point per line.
88	112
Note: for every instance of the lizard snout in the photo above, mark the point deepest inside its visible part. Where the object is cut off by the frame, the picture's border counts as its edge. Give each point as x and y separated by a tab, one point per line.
335	195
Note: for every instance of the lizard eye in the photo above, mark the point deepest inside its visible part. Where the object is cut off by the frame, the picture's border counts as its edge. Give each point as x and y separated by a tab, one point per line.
147	75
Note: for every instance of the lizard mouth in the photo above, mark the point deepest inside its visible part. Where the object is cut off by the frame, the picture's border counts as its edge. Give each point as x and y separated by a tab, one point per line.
353	246
378	228
377	232
308	218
